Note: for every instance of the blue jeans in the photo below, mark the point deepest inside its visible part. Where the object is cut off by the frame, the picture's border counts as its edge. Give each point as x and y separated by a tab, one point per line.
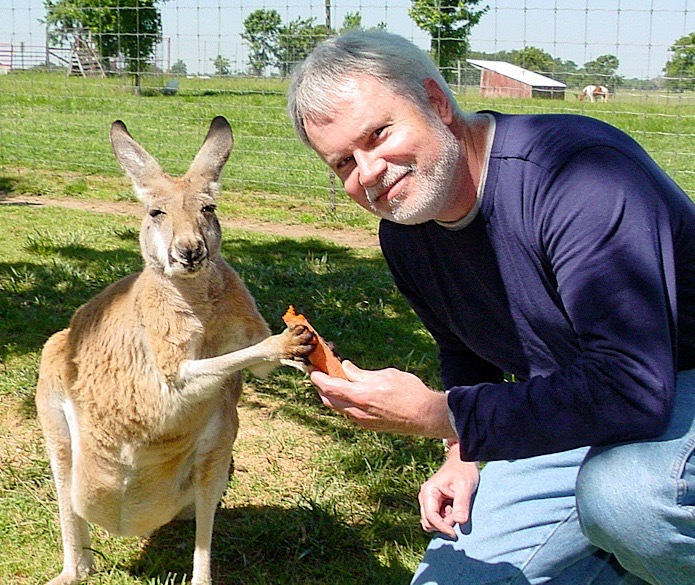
620	514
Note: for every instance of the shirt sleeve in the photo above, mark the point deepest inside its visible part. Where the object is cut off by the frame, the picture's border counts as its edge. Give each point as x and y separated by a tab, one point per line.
459	365
602	228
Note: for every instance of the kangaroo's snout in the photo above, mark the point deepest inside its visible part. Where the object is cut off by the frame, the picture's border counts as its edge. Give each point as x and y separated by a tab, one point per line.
192	255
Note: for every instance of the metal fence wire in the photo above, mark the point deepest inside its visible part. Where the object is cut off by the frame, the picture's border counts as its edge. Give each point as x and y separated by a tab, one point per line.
97	54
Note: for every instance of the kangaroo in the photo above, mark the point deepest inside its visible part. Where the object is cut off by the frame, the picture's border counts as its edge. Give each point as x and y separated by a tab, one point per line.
137	397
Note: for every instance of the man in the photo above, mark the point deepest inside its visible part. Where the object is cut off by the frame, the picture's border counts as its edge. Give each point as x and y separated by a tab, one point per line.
548	247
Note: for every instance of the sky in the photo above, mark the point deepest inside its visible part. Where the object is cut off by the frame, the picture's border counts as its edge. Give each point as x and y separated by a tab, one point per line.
638	32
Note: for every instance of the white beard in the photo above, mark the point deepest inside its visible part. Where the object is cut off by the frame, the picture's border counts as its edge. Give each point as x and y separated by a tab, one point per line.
432	191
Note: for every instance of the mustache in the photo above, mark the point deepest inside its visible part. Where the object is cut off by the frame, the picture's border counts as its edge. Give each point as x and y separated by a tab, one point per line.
393	174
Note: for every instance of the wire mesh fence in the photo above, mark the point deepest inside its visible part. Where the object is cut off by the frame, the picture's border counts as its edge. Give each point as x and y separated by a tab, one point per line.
166	68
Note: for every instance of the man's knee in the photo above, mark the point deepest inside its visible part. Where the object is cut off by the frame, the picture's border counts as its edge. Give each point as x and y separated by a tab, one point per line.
617	503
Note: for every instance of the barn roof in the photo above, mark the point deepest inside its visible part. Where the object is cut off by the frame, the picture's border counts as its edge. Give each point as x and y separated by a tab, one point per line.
517	73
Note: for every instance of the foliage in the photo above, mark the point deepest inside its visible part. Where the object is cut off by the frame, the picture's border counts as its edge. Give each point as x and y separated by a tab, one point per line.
179	68
533	59
272	44
296	40
351	21
261	30
680	68
538	60
128	28
449	24
600	71
603	71
222	65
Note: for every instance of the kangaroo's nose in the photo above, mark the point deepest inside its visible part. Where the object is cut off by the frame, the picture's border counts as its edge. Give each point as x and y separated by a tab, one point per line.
193	254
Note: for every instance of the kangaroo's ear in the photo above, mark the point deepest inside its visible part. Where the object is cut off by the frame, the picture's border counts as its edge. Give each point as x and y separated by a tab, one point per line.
214	152
138	164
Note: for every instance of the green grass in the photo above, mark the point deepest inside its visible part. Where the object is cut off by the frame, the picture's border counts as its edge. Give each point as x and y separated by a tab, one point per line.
356	521
322	502
54	138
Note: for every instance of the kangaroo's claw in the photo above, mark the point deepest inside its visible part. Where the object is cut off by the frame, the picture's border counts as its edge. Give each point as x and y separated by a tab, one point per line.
301	343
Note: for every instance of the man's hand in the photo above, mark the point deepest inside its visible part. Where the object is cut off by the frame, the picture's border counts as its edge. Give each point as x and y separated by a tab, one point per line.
445	499
386	400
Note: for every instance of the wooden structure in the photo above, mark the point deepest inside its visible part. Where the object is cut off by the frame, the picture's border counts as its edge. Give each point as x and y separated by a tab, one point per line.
501	79
5	58
84	59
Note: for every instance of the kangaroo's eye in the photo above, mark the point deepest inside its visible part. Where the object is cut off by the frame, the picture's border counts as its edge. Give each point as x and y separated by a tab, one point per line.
209	209
155	212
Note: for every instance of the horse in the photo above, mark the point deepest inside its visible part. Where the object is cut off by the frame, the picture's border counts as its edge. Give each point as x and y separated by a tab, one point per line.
594	92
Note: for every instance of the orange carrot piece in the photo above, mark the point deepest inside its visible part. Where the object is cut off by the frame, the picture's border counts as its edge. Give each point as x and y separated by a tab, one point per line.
322	357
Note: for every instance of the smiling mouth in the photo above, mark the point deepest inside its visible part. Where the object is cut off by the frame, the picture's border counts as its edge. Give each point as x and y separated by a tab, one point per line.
376	194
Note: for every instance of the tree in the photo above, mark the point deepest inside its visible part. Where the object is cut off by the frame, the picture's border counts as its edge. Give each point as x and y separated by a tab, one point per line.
222	65
449	24
564	71
261	30
351	21
179	68
128	28
296	40
533	59
680	68
603	68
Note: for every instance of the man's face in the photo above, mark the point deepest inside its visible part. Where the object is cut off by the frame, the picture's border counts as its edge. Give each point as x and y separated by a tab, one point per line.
392	159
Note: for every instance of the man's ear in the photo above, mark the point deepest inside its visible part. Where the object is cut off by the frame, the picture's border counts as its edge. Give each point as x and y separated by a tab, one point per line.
439	101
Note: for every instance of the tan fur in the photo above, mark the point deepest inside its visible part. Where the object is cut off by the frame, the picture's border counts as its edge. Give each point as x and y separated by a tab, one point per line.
137	398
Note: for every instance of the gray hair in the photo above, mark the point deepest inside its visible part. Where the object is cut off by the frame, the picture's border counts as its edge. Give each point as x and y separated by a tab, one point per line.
392	59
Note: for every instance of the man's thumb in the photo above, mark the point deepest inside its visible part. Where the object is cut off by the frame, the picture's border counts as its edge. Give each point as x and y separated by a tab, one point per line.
353	373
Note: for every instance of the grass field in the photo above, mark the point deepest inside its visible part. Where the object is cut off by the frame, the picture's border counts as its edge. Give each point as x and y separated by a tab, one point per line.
57	128
314	500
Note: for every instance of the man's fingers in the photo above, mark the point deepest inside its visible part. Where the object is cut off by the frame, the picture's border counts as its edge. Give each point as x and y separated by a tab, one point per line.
353	373
439	524
334	402
435	512
339	392
461	509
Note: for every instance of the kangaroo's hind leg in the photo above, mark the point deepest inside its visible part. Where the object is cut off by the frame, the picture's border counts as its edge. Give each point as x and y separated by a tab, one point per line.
56	417
211	474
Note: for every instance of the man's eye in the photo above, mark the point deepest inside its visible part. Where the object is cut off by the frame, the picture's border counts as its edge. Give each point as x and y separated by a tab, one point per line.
345	162
379	131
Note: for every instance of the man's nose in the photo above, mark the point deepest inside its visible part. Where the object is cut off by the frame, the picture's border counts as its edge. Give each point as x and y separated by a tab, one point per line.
370	168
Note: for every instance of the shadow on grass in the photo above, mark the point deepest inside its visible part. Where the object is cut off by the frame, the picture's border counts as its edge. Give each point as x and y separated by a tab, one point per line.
349	296
41	298
306	544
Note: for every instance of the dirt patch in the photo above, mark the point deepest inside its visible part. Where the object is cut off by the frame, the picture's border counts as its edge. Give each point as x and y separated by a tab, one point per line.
273	455
350	238
19	437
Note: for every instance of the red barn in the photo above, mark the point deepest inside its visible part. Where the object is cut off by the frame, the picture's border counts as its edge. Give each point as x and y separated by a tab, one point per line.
501	79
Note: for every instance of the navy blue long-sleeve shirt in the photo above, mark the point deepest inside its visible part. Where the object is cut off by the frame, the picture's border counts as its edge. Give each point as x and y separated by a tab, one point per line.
577	276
